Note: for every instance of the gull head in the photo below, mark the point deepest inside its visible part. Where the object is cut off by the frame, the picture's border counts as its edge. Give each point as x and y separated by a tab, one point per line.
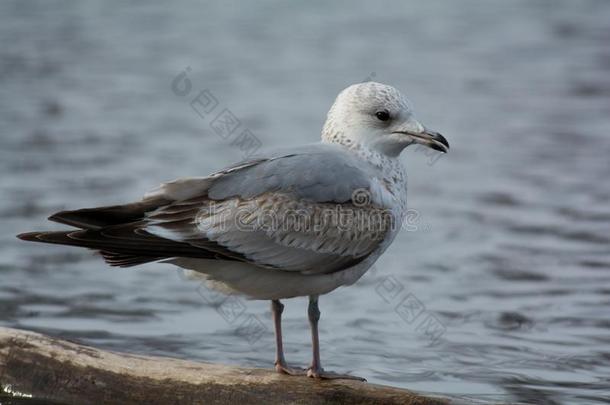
378	117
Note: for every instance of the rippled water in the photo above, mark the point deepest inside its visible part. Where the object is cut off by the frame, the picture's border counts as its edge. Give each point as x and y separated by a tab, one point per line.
506	257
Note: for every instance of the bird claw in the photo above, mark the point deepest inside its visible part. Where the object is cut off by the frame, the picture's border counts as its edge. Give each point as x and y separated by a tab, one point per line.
329	375
284	369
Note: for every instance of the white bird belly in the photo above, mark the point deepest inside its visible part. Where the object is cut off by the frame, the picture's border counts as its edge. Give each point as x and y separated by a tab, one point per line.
266	284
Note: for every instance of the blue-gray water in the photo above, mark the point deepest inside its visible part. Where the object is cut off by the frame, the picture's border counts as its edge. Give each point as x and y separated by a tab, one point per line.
508	249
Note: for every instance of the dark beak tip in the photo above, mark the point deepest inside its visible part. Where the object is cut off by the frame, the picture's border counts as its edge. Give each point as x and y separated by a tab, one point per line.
439	142
439	148
442	140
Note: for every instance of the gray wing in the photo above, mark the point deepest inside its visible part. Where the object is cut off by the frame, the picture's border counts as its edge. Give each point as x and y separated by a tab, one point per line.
291	211
321	173
317	172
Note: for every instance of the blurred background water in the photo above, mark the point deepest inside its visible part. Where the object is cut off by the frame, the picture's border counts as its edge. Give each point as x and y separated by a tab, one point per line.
508	250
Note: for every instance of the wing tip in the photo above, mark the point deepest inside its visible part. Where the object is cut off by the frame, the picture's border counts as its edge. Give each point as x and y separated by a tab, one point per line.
29	236
57	216
72	218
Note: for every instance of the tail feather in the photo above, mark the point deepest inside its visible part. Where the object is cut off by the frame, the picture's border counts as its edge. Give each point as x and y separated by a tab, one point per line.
48	237
100	217
118	233
29	236
118	249
113	258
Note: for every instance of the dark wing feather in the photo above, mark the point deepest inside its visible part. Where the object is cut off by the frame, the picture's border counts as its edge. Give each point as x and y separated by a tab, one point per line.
129	245
125	260
116	232
100	217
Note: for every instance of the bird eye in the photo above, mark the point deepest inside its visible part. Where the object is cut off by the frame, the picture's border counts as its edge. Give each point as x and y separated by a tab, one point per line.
382	115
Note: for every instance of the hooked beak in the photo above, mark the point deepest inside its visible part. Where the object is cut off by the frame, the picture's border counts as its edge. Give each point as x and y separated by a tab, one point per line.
429	138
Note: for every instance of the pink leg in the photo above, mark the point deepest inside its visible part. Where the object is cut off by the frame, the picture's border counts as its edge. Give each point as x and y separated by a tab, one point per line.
280	362
316	370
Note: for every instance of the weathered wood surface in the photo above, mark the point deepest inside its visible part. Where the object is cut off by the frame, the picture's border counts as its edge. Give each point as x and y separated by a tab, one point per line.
58	370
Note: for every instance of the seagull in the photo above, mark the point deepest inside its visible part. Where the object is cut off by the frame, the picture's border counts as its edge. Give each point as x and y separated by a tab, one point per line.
296	222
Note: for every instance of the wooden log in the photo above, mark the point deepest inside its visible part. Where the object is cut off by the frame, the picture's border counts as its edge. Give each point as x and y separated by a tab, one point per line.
51	369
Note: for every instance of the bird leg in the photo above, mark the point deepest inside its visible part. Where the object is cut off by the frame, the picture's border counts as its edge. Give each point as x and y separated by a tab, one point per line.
280	362
316	370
